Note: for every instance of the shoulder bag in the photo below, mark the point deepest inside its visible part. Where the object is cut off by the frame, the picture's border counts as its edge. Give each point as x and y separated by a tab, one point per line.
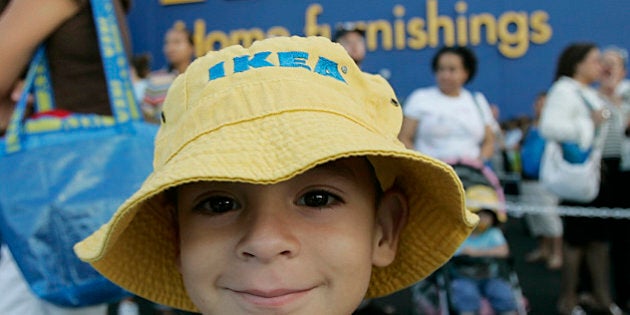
64	176
570	173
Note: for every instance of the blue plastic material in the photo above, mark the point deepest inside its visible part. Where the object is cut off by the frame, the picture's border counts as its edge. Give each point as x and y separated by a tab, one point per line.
572	153
65	177
56	193
531	153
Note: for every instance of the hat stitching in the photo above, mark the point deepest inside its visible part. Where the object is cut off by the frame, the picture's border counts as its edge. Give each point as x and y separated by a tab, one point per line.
265	115
246	83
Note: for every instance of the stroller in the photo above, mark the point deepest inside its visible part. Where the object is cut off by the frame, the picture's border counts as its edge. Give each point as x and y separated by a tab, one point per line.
432	296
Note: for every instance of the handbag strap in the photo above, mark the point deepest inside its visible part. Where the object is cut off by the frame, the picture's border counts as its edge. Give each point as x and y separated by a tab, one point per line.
588	103
115	63
44	95
12	139
600	133
479	111
119	86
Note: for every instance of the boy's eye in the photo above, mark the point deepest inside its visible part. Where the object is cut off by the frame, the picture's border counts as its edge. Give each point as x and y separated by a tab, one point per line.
217	205
318	199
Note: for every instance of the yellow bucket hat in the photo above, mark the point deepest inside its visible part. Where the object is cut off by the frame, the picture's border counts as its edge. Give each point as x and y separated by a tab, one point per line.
263	115
481	197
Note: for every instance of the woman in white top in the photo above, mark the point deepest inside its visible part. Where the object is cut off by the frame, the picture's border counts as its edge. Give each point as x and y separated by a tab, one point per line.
447	121
573	112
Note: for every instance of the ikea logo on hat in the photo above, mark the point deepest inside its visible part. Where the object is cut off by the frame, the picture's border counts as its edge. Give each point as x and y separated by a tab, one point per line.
289	59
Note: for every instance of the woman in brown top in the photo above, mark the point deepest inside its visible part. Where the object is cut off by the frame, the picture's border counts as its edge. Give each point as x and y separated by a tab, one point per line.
67	28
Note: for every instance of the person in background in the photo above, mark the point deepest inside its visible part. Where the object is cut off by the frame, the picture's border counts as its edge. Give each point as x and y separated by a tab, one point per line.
447	121
352	38
574	113
474	270
179	52
140	68
79	85
615	90
72	48
547	226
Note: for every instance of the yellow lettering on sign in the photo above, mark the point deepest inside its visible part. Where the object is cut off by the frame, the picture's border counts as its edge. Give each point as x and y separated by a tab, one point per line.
375	28
311	27
541	30
511	32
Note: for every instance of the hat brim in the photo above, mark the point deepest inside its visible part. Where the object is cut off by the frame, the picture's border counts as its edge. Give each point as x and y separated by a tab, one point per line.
137	249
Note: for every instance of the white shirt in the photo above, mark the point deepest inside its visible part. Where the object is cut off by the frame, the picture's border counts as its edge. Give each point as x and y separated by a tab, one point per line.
448	127
565	116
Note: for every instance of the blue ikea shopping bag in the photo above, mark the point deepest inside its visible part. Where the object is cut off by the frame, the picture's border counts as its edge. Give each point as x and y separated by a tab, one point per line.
54	196
63	177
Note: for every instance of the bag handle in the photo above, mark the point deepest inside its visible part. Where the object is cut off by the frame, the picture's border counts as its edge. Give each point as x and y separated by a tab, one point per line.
12	136
116	68
44	95
600	133
479	111
115	63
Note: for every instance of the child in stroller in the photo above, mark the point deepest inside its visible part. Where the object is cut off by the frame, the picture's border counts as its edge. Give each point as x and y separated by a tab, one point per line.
474	271
479	279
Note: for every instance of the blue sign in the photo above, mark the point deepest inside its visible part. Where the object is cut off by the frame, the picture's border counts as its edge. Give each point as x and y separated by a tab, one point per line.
517	42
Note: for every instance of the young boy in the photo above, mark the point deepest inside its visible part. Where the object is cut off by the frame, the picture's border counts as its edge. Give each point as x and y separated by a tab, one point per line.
474	273
279	187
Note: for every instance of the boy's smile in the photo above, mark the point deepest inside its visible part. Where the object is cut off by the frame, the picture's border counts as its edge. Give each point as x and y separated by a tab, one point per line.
272	298
302	246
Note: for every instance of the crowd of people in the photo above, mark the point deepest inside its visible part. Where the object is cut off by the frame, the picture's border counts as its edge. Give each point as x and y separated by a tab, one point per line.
589	101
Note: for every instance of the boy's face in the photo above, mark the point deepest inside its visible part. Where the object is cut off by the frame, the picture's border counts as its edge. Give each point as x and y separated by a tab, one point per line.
486	220
302	246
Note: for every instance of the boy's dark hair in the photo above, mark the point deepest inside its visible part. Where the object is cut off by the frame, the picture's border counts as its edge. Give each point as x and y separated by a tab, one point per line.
344	28
570	57
469	60
142	64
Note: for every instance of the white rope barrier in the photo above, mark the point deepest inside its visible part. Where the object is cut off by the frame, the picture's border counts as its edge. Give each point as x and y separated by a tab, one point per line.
518	208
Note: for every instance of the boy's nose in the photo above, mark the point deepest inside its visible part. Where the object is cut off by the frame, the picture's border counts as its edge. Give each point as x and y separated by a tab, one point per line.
268	236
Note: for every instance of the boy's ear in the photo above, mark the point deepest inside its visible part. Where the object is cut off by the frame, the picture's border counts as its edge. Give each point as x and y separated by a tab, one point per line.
391	217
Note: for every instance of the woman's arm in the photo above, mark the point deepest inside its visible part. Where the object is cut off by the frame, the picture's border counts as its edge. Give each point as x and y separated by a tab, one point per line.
23	26
408	132
487	146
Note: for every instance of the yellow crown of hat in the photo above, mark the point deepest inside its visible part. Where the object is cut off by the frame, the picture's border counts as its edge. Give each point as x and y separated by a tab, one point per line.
481	197
263	115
